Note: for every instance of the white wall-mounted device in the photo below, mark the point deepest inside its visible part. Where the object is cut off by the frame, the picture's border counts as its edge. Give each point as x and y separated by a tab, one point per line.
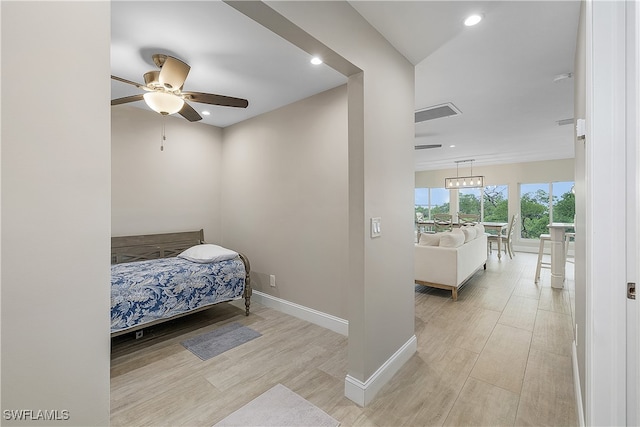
376	231
580	128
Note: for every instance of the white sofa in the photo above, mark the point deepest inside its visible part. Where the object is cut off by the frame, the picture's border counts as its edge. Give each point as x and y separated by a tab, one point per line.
446	260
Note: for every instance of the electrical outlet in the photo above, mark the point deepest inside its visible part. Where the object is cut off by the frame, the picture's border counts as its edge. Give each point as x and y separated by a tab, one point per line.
272	280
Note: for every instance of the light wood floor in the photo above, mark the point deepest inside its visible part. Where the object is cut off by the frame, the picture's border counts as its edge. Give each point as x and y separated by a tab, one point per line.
500	355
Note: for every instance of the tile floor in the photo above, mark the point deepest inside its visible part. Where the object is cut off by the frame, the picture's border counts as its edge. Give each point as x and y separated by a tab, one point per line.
500	355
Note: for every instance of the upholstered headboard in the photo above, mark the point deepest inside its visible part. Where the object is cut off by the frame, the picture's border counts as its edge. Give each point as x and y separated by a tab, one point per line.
153	246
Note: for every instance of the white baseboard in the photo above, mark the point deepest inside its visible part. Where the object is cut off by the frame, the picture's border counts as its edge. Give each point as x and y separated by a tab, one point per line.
363	393
316	317
577	390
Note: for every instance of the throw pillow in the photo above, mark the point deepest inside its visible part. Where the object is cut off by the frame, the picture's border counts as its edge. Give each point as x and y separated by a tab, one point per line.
479	229
470	233
452	240
207	253
429	239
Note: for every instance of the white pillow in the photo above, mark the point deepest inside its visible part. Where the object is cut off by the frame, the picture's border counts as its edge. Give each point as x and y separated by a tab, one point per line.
470	233
429	239
207	253
451	240
479	229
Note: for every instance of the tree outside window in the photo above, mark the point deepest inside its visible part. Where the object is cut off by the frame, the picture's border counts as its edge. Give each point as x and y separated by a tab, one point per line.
495	200
564	205
543	203
439	201
469	201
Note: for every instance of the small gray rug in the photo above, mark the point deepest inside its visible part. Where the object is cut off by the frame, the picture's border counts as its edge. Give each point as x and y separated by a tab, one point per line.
218	341
279	406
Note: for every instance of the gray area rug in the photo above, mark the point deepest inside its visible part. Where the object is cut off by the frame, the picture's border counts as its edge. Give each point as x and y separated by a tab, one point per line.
279	406
218	341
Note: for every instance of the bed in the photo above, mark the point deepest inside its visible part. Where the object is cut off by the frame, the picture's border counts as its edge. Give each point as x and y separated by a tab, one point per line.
151	284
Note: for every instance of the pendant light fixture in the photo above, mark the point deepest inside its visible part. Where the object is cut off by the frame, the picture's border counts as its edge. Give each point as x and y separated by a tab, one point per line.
472	181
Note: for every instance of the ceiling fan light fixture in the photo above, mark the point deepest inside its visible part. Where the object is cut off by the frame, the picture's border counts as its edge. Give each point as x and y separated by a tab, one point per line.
163	103
472	20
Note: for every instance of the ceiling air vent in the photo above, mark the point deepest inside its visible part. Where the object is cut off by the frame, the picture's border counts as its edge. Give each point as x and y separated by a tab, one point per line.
564	122
426	146
437	112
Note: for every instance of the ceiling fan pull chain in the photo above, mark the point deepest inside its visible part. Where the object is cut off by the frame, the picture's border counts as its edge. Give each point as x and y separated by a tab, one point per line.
164	137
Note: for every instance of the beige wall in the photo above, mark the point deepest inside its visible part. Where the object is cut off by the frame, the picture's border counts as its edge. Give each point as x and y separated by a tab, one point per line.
381	133
285	200
55	210
281	204
177	189
511	174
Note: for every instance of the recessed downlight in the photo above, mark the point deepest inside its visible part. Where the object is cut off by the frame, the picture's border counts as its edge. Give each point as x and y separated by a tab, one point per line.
316	60
452	146
472	20
205	113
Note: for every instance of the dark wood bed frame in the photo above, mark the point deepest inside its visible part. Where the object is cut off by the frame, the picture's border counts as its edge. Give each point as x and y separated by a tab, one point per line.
154	246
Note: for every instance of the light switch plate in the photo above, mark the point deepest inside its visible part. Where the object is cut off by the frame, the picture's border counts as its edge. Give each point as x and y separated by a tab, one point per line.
376	231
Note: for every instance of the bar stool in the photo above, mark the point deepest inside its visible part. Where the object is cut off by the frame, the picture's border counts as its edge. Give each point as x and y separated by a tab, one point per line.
541	264
567	240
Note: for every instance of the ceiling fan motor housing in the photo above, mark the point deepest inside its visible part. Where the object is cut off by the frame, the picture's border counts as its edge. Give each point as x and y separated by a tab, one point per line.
152	79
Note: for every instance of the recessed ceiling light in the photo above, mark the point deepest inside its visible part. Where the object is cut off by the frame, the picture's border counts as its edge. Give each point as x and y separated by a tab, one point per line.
472	20
452	146
316	61
205	113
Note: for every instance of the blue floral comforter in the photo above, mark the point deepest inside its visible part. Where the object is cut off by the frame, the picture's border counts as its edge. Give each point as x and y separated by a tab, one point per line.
145	291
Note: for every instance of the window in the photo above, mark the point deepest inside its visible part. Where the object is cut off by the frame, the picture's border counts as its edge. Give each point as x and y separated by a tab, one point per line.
495	203
421	196
469	200
430	201
490	202
543	203
564	202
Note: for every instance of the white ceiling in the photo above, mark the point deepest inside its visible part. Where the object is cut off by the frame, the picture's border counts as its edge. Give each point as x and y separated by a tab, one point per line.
229	54
500	73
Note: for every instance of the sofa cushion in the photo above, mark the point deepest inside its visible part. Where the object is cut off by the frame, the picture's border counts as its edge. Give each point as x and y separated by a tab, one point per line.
451	240
470	233
479	228
429	239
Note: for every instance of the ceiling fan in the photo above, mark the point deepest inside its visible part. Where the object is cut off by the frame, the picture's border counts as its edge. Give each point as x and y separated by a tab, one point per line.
164	92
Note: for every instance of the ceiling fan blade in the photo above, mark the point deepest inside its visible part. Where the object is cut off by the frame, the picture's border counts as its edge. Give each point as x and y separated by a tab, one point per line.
173	73
132	98
210	98
189	113
120	79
